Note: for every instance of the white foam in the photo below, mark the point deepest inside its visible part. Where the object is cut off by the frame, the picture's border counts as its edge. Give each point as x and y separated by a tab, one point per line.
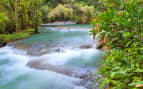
13	54
67	29
67	55
16	68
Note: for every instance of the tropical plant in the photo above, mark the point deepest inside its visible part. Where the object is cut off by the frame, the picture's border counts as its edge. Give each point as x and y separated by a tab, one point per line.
120	29
3	20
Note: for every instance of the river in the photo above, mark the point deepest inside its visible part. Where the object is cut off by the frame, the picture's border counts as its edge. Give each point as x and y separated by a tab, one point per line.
57	58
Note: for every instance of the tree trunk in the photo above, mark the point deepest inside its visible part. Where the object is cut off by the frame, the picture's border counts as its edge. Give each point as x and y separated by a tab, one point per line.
16	16
36	29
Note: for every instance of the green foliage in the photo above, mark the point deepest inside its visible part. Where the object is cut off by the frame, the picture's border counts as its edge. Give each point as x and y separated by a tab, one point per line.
61	12
84	14
23	14
45	9
121	30
30	31
123	68
16	36
13	37
3	20
19	15
119	27
78	13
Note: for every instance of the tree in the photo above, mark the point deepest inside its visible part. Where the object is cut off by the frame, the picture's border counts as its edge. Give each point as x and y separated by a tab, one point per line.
35	14
3	20
16	16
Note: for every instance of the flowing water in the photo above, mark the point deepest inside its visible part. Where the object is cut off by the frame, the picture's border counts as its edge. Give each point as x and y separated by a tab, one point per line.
57	58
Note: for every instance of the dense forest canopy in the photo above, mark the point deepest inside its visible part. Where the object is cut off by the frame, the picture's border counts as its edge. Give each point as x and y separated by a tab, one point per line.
19	15
22	14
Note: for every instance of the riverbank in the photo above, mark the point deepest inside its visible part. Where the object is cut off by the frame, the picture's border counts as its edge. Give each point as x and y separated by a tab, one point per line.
6	38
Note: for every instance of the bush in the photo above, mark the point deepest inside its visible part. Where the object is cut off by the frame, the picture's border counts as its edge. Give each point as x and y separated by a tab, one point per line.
30	31
121	31
2	37
17	36
13	37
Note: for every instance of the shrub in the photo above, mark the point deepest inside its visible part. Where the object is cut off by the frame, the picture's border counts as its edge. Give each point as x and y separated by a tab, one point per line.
13	37
2	37
30	31
121	31
16	36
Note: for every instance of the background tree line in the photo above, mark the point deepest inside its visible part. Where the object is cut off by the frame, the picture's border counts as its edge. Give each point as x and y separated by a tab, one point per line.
18	15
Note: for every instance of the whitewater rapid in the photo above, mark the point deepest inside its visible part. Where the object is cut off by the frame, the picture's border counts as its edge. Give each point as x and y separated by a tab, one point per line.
69	67
16	75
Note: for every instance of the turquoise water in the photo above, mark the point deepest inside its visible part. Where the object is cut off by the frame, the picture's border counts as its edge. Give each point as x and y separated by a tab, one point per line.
14	74
81	25
58	37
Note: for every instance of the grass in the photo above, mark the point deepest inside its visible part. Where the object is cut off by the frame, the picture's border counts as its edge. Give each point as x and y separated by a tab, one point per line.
30	31
16	36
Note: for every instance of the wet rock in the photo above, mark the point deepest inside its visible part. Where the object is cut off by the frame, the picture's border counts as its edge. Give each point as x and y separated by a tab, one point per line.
59	49
99	46
13	44
87	46
88	84
85	74
43	51
73	72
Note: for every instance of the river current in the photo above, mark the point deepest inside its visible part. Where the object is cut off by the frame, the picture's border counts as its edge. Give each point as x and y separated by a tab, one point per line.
57	58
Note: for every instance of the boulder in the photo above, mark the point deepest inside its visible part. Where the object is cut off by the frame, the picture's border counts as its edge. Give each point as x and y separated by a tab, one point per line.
99	45
86	46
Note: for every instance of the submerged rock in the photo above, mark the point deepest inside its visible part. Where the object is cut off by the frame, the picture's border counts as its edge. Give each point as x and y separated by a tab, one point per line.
86	46
73	72
86	74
